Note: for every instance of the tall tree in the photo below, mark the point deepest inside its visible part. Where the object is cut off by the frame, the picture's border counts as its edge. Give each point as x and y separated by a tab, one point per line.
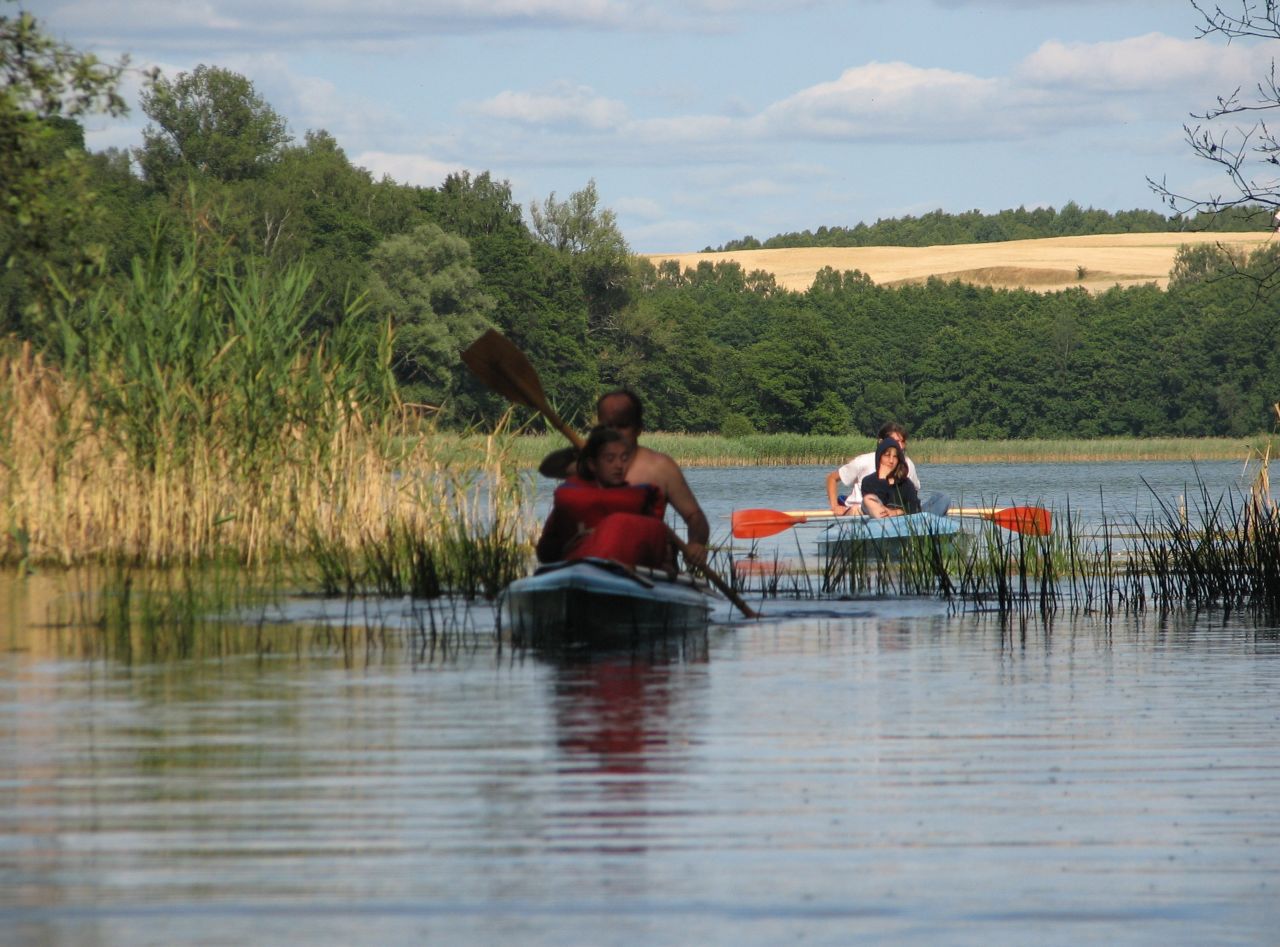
601	259
46	203
538	304
208	123
425	284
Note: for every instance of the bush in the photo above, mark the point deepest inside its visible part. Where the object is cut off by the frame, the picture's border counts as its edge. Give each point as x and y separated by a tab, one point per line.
736	424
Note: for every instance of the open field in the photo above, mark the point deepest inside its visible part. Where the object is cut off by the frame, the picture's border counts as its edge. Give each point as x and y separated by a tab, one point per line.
1096	262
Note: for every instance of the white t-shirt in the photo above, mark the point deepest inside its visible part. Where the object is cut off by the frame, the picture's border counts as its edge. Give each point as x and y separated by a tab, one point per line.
851	475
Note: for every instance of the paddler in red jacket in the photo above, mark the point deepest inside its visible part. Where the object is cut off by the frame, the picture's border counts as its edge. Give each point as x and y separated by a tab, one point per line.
622	410
597	513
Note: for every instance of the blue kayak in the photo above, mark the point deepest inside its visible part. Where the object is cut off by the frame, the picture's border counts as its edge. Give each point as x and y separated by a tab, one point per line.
600	603
887	536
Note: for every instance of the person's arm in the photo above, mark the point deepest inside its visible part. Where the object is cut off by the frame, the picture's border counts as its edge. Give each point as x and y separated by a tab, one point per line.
910	497
557	533
833	500
912	475
682	499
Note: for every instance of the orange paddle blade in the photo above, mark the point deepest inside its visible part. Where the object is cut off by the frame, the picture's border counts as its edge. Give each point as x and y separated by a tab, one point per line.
756	524
1032	520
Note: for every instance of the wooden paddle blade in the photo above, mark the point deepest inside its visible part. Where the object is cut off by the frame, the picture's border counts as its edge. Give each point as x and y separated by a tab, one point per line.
495	360
1032	520
757	524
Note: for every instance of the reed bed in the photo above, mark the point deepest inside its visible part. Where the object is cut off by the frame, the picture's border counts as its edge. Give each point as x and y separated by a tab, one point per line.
1224	554
190	415
781	450
75	495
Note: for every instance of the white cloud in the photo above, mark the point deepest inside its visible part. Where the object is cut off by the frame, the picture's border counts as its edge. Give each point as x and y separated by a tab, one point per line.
224	24
406	168
885	100
562	106
1152	63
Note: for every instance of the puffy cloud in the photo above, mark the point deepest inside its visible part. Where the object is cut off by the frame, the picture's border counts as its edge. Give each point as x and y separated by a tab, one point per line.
406	168
562	106
1153	63
884	101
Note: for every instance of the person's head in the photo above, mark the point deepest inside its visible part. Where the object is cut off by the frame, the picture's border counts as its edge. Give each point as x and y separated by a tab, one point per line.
890	459
604	457
893	430
621	410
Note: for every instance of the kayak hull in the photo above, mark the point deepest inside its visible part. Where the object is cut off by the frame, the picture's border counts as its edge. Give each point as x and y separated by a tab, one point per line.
887	537
597	602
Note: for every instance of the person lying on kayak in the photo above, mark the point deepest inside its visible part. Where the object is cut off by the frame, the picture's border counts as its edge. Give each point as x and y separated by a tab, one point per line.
598	514
889	491
852	472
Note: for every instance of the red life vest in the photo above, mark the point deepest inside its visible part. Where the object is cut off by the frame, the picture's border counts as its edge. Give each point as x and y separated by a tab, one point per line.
589	503
625	522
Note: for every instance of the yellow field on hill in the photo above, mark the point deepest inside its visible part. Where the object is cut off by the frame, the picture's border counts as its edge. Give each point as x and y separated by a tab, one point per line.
1096	262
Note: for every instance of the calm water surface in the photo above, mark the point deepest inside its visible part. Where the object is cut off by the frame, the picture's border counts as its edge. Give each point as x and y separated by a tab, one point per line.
843	771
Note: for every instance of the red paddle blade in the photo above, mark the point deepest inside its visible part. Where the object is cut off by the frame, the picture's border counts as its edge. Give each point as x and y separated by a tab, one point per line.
1032	520
757	524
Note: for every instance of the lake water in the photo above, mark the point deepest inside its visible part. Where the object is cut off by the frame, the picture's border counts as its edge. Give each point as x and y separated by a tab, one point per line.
876	771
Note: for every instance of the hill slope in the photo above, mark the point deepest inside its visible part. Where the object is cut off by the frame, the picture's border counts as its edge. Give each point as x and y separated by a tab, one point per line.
1095	262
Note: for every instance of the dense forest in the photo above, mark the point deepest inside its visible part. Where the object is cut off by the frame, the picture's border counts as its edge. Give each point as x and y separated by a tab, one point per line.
220	192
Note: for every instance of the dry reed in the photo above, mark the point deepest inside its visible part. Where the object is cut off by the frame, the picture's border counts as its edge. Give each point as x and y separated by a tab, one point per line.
73	495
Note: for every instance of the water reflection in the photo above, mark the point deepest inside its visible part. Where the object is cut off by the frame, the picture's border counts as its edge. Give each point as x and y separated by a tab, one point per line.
626	726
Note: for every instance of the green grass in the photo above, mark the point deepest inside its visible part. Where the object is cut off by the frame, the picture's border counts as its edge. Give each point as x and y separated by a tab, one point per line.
780	450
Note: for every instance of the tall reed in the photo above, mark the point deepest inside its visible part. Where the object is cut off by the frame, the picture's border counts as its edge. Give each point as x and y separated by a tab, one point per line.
190	415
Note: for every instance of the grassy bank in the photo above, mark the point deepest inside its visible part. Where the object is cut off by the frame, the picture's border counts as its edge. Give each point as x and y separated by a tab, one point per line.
778	450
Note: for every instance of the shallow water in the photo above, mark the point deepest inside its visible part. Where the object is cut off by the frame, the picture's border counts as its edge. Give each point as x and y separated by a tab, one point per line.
843	771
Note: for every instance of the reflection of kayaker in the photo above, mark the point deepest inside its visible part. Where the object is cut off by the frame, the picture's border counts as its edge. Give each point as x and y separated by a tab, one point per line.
598	514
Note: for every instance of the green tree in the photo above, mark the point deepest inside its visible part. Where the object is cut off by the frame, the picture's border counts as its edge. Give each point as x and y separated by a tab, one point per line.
538	304
208	123
425	283
46	202
589	235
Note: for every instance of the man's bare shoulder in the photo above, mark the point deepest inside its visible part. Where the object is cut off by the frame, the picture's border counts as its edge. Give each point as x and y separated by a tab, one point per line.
651	466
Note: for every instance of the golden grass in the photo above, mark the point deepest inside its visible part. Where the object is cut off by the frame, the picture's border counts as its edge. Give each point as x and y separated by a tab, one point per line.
71	495
1095	262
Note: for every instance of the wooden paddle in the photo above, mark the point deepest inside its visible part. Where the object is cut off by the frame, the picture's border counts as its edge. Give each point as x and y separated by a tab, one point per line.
756	524
495	360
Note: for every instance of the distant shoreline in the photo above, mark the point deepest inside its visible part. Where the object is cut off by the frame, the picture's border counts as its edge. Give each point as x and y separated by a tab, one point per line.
781	450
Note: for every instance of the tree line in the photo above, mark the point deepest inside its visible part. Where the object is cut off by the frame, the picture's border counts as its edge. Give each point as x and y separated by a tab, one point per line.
415	273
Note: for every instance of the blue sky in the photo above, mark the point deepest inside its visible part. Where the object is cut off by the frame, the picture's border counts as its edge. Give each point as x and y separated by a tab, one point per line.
705	120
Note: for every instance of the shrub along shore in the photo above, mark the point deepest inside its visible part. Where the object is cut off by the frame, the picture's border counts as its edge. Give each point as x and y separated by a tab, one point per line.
782	450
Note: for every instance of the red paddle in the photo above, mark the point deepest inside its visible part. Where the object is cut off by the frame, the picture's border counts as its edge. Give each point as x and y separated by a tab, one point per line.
756	524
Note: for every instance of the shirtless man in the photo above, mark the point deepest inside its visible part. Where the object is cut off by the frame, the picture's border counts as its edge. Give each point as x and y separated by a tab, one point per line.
623	411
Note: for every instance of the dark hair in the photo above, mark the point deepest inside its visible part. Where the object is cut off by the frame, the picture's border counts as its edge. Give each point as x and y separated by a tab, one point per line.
900	469
890	428
596	441
633	416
